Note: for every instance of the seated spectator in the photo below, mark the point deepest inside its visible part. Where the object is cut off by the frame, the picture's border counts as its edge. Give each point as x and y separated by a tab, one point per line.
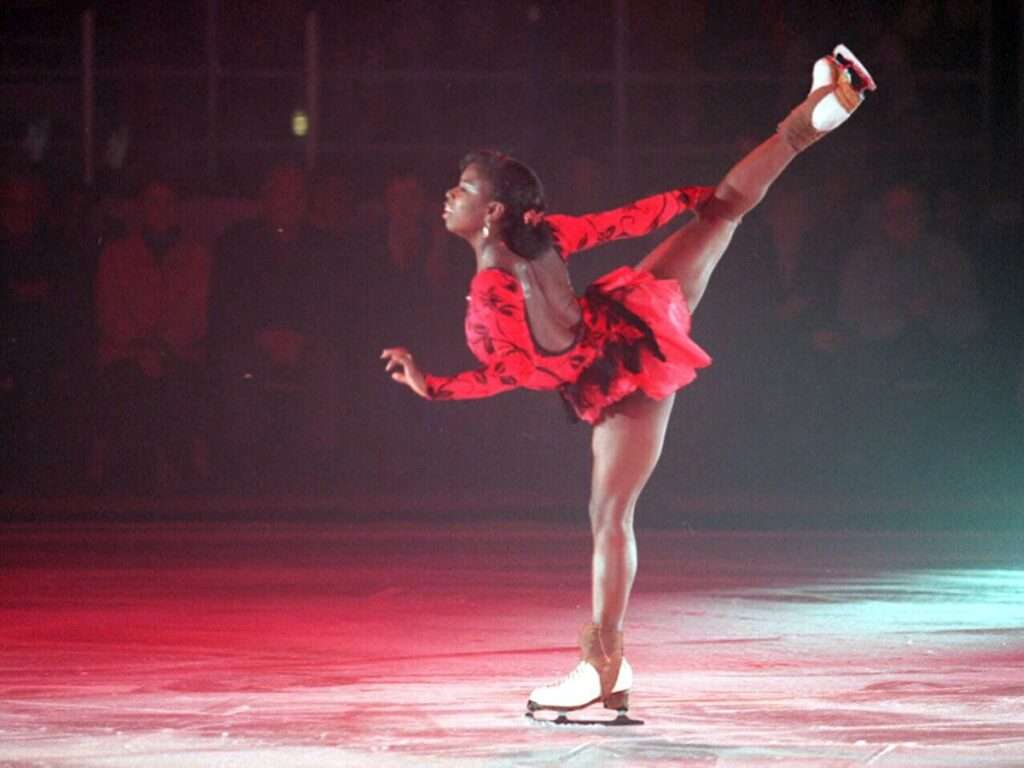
39	318
795	342
909	279
274	337
909	303
415	239
330	206
405	284
151	305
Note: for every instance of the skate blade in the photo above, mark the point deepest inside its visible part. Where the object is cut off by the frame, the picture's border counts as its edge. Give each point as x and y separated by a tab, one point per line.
846	58
563	719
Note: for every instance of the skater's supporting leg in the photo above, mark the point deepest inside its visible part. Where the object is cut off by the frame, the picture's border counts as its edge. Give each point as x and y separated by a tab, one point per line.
627	444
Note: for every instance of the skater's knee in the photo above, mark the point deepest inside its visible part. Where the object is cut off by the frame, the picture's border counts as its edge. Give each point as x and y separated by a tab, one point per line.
728	205
612	517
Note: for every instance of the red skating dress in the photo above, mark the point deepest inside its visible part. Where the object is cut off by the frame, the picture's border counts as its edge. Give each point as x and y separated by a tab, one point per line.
634	332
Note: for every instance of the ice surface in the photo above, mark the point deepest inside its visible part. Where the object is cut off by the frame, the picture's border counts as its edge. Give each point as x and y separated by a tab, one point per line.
417	642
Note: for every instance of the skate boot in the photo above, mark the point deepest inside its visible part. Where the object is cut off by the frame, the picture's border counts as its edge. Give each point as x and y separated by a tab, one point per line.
833	97
602	675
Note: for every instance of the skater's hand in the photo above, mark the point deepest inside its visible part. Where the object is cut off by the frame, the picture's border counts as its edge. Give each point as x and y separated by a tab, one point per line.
404	370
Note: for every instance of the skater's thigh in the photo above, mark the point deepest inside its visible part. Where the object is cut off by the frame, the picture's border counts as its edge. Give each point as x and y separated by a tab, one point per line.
690	255
627	444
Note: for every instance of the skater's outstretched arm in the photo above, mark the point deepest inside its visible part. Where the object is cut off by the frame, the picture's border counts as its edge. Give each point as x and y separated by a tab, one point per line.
578	233
484	381
468	385
497	333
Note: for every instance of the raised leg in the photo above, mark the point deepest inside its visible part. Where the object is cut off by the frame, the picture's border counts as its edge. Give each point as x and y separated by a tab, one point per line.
626	444
691	254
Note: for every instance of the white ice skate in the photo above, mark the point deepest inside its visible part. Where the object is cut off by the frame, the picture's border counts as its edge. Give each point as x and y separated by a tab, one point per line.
833	97
580	689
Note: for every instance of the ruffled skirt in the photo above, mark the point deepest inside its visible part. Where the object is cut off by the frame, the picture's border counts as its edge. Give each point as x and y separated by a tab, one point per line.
639	327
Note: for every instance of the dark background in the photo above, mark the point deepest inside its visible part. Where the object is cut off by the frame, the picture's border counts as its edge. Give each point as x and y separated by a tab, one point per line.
608	101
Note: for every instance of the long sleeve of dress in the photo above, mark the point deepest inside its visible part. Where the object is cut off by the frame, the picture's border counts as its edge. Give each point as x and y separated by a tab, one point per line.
480	382
497	334
578	233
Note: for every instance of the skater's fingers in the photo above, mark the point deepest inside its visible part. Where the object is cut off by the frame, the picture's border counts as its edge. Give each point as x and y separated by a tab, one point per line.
397	357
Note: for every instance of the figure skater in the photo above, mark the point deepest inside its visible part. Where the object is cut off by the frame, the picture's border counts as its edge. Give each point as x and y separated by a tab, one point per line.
618	353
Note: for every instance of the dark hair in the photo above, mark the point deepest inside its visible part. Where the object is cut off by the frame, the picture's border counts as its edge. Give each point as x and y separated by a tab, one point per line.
519	189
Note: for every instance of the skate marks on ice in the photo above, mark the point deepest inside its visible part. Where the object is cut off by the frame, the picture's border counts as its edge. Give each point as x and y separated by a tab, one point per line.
308	645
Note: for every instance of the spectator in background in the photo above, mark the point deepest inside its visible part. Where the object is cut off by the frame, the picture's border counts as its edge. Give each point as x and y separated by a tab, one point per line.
904	118
416	246
909	302
795	341
909	279
330	206
405	288
40	321
406	280
776	331
151	308
802	287
275	336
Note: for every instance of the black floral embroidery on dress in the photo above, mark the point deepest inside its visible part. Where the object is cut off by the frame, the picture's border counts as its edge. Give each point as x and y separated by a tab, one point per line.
494	316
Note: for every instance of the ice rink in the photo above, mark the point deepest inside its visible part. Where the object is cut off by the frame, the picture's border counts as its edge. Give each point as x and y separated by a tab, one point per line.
415	642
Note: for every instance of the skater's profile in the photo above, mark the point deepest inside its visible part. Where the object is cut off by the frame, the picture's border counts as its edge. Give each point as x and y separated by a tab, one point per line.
616	354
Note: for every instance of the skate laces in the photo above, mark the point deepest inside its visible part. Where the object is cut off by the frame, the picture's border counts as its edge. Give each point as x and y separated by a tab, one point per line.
573	676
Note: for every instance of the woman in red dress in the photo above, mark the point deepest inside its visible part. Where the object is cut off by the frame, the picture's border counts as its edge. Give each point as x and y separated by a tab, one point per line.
618	353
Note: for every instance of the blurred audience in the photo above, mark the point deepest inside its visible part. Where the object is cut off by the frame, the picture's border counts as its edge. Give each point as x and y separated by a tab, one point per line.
407	284
832	330
42	314
908	280
416	243
331	207
151	313
275	338
910	305
795	342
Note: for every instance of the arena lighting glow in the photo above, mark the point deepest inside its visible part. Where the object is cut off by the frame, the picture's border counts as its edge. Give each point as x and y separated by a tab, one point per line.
210	642
907	602
300	123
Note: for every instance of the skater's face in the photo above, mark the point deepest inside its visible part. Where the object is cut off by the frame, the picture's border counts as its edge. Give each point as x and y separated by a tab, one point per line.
470	203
